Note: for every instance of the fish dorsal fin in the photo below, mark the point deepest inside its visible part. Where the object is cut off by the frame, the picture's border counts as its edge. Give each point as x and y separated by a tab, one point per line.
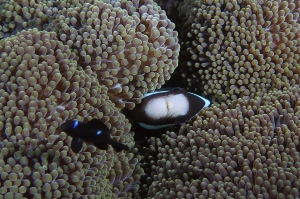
97	124
177	90
165	91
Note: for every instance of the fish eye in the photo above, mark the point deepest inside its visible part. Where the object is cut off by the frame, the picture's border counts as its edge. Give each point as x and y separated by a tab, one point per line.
75	124
99	132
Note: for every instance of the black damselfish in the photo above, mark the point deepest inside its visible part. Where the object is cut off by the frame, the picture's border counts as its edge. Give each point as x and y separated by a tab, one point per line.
93	131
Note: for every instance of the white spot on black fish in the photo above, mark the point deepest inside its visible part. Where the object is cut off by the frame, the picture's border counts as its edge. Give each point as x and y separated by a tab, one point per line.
75	124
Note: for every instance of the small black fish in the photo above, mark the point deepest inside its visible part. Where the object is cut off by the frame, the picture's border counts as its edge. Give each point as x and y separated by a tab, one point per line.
93	131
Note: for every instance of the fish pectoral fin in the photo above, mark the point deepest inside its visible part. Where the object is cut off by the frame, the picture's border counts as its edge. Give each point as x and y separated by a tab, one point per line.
76	144
118	146
102	146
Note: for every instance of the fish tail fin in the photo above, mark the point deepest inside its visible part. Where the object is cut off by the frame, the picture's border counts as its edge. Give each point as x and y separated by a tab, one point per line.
118	146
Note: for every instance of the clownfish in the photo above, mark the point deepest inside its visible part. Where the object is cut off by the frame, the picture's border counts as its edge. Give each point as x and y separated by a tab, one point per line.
162	109
93	131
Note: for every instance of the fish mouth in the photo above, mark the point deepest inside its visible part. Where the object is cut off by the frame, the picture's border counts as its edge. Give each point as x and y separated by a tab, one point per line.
66	126
63	126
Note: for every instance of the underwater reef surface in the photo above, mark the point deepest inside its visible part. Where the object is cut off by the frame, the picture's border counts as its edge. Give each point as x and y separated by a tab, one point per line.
231	49
79	60
244	55
42	86
84	59
130	45
247	149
